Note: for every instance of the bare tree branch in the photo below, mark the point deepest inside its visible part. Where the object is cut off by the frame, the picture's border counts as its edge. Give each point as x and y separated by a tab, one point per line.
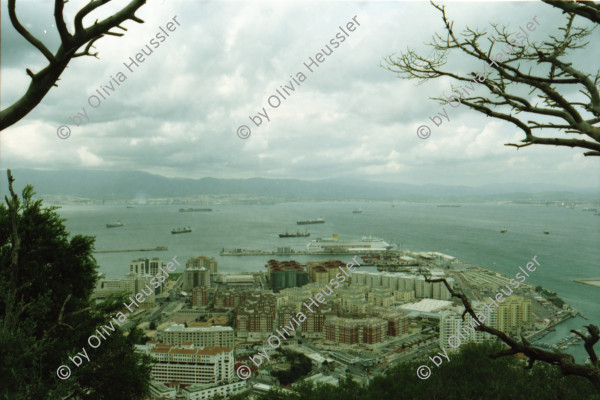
506	81
586	9
44	80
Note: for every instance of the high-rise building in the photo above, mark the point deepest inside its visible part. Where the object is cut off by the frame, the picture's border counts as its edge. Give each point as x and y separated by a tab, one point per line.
201	296
146	266
454	332
514	313
194	277
199	272
203	262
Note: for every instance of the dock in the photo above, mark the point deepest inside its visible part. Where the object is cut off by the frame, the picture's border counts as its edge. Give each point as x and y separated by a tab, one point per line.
158	248
590	282
286	251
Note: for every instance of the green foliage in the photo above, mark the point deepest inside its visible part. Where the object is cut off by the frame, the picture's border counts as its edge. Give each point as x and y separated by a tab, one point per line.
300	366
470	375
57	272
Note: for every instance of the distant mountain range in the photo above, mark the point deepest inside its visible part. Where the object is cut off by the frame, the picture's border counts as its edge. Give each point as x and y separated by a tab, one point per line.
109	185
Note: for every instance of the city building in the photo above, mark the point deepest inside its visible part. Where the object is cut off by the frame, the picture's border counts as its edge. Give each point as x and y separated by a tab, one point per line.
255	317
202	392
314	324
194	277
514	313
199	272
214	336
203	262
398	322
452	325
286	274
190	365
130	284
145	266
202	296
355	331
403	282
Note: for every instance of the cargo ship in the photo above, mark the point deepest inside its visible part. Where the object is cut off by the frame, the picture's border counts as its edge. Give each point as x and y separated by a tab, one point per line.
297	234
365	245
116	224
311	221
195	209
181	230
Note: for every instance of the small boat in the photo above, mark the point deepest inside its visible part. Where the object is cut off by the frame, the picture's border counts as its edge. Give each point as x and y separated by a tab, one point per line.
130	207
357	211
116	224
503	230
195	209
546	232
297	234
181	230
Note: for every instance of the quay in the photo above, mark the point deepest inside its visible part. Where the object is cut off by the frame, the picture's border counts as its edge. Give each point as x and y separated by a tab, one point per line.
286	251
157	248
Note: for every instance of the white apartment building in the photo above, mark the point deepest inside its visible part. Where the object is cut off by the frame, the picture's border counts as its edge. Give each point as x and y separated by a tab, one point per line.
201	392
402	282
452	324
190	365
145	266
214	336
130	284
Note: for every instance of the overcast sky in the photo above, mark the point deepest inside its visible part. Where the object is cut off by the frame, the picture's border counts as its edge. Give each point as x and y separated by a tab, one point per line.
177	113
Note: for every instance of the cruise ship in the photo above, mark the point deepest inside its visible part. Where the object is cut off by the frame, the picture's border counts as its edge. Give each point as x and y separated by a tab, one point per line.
366	245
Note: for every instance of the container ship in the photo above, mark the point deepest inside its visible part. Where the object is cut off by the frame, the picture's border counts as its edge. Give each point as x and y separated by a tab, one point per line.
365	245
195	209
181	230
297	234
311	221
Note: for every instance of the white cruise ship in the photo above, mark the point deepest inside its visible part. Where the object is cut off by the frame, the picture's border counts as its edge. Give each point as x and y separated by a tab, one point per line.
366	245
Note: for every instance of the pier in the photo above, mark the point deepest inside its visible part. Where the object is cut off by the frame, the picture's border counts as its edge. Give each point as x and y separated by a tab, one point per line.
158	248
286	251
